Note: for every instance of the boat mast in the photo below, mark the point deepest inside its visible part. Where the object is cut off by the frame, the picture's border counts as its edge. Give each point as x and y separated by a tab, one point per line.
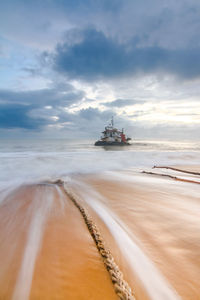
112	122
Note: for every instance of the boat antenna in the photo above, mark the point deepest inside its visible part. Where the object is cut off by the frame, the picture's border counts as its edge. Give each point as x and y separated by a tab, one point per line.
112	122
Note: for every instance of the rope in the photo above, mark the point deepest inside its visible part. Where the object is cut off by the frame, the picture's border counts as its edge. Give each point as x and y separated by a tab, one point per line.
121	287
175	169
172	177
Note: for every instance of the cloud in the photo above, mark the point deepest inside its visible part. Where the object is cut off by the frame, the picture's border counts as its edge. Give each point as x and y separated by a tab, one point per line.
125	50
41	24
94	114
94	56
90	5
98	56
35	109
122	102
63	94
16	116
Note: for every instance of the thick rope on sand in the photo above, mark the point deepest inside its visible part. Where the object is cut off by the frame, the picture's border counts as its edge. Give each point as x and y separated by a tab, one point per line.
175	169
172	177
121	287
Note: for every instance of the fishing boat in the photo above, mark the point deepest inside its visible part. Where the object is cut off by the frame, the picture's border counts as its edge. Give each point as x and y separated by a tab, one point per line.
111	136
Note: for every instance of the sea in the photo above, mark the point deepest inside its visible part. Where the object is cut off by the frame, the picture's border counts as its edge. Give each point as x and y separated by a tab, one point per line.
34	160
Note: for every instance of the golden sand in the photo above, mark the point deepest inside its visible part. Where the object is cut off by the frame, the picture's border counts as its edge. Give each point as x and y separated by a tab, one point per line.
68	265
166	224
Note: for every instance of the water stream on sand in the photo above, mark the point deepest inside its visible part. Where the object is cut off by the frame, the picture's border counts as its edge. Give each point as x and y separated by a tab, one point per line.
155	285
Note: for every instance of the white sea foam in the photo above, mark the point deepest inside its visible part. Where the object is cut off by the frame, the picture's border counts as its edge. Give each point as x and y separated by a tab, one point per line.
24	162
41	205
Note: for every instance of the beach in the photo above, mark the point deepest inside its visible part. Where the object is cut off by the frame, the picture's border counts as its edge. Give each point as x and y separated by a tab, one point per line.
150	223
99	150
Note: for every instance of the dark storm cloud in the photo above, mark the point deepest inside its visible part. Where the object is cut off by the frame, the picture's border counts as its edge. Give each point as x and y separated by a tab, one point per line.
130	36
35	109
94	56
62	94
16	116
98	56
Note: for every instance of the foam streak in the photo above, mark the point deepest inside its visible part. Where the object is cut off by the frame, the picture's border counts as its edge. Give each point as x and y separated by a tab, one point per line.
155	284
43	202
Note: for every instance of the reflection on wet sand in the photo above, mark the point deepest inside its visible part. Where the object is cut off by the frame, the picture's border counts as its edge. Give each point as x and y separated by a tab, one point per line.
150	224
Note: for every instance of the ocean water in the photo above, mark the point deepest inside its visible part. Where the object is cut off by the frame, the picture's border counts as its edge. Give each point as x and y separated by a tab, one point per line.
35	160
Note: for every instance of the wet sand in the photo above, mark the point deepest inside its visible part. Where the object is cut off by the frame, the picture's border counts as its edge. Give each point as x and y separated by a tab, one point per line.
47	252
62	263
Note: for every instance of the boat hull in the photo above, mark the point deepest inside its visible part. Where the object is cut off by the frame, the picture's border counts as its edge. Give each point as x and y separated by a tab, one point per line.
103	143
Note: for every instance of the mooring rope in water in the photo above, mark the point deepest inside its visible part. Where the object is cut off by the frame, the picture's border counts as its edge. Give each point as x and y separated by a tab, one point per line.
172	177
175	169
121	287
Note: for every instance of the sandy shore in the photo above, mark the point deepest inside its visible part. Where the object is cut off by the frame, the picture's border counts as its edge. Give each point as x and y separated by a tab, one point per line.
46	250
152	229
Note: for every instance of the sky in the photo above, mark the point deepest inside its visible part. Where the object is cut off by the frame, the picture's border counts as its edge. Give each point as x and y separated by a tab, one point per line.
68	66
